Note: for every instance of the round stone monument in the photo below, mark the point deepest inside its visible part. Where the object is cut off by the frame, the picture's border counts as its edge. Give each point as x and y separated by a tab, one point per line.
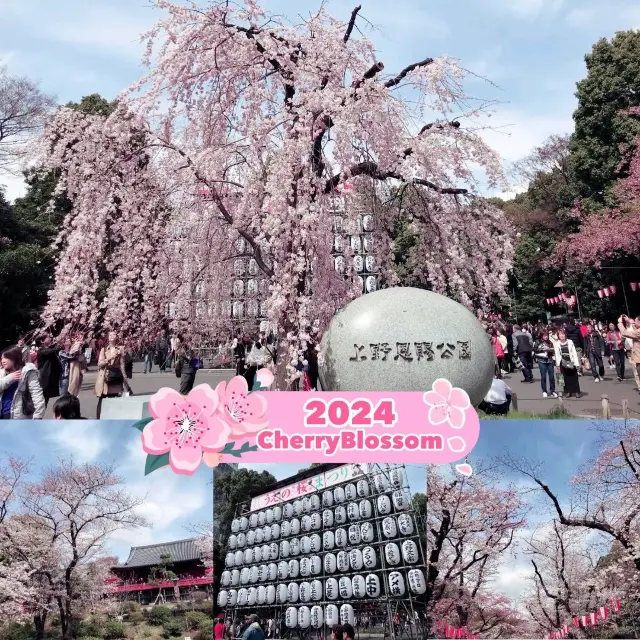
403	339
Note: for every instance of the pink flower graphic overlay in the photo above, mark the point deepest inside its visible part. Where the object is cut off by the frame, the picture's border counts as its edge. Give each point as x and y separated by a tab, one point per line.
244	412
447	404
185	427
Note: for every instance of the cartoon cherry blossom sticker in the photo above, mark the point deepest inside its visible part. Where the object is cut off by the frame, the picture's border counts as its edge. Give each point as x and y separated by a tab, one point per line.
447	404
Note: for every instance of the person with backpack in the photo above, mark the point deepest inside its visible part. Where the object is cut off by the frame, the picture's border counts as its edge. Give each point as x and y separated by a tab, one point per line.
21	394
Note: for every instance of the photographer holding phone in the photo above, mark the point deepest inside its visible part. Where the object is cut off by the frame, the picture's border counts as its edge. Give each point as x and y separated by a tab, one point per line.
631	329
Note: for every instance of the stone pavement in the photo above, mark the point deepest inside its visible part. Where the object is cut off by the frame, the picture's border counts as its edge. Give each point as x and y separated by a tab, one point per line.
529	395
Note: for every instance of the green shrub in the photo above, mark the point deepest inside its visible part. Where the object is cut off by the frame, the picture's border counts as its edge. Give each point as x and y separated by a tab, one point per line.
172	628
113	630
145	633
91	629
205	632
159	615
132	607
17	631
89	638
135	617
196	620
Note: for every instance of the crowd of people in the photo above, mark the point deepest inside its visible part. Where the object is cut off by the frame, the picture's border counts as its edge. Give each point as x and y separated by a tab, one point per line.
563	352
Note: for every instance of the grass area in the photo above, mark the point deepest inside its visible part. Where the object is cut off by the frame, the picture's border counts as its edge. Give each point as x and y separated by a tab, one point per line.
557	413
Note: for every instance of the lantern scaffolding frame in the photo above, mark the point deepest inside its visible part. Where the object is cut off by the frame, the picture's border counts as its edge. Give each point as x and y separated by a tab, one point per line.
409	609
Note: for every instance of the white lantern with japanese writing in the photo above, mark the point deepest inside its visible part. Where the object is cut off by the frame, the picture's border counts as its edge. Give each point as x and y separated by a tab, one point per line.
384	505
316	521
362	488
291	617
372	585
304	617
287	510
304	592
233	541
223	598
396	584
262	518
355	559
340	515
338	495
332	615
331	590
298	507
316	543
282	593
253	574
266	533
344	586
283	570
233	598
369	557
350	492
315	565
389	528
243	596
417	582
341	537
305	545
316	590
315	502
306	523
229	560
238	559
284	548
405	524
248	555
258	536
256	554
410	552
317	616
277	513
346	615
354	535
366	532
295	527
262	595
358	587
327	499
273	551
353	512
396	477
268	516
245	575
251	537
371	284
365	509
235	525
342	561
235	577
263	573
381	483
400	500
265	550
328	540
253	520
275	531
329	563
244	523
285	529
305	566
294	568
327	518
241	540
225	578
271	594
273	571
293	592
294	546
306	504
392	553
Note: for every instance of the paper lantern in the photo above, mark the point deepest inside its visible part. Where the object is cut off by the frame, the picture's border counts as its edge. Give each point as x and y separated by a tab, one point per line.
316	543
256	554
365	509
342	561
273	551
298	507
372	585
362	488
613	289
283	570
241	540
328	540
291	617
340	537
287	510
225	578
369	557
262	518
245	575
275	531
396	584
389	528
253	520
271	594
600	293
405	524
317	616
358	587
293	568
295	527
350	491
327	499
305	567
305	545
353	511
315	502
262	595
344	586
248	555
285	529
235	525
327	518
238	559
229	560
306	523
331	589
244	523
223	598
400	500
273	571
253	574
354	535
346	615
306	504
355	559
332	616
410	552
384	505
381	483
277	513
316	590
304	617
258	536
293	592
366	532
263	573
233	541
294	547
265	551
338	495
304	592
233	598
251	537
340	515
235	577
316	521
396	477
282	593
634	286
315	565
607	291
392	553
243	596
417	583
329	563
266	533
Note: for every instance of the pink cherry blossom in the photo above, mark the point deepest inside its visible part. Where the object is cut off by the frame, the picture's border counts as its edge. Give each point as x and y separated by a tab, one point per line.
185	427
244	412
447	404
265	377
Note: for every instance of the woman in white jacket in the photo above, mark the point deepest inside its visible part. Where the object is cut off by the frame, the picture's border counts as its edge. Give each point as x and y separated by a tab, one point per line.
21	396
568	364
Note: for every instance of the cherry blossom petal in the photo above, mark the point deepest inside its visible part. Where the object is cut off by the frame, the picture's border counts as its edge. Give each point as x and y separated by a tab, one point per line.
265	377
432	398
204	397
237	386
256	407
438	414
456	444
154	438
464	469
212	459
443	387
163	401
185	460
456	417
216	435
459	398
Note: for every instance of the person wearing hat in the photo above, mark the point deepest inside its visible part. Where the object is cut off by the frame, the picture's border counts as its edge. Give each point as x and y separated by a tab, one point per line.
253	631
219	629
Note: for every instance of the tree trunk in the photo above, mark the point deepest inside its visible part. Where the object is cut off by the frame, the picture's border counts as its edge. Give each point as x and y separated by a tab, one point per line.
281	382
39	621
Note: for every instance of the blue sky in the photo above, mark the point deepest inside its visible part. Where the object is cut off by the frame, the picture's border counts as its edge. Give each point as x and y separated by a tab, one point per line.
173	503
532	49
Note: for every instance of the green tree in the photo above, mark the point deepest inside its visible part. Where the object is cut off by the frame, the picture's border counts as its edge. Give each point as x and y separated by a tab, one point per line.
313	465
161	572
611	87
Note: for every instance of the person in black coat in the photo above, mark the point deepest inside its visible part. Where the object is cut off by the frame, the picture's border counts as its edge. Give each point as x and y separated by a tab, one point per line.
594	348
49	368
186	368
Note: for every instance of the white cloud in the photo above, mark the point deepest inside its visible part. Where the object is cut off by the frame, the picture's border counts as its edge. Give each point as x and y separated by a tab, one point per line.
580	17
84	441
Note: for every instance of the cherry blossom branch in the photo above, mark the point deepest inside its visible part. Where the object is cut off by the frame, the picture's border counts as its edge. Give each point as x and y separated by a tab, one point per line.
400	77
352	22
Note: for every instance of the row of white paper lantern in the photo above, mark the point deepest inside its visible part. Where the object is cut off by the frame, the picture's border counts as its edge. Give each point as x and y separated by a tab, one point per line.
355	559
345	588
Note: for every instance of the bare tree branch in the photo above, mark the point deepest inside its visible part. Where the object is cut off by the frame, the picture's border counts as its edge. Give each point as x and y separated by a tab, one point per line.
400	77
352	22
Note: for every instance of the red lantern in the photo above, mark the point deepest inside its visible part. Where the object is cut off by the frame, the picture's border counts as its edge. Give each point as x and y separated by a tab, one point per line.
510	314
634	286
574	299
613	289
499	316
600	293
607	291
